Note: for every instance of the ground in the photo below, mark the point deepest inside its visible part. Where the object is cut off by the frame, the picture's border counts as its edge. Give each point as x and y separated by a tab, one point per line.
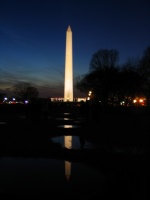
121	146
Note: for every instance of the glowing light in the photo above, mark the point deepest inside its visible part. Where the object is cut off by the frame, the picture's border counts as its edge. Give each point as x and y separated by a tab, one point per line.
89	95
139	101
68	83
90	92
68	126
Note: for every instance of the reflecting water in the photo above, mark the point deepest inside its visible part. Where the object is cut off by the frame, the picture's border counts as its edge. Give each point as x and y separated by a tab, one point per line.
20	176
49	178
65	113
2	123
76	142
65	119
68	141
68	145
68	126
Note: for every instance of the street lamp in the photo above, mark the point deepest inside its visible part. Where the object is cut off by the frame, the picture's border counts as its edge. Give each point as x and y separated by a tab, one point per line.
89	95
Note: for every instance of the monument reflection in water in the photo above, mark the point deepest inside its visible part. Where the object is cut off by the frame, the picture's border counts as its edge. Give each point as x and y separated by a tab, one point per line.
46	176
68	145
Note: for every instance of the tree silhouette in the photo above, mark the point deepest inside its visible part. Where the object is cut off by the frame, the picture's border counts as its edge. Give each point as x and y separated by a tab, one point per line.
144	70
25	91
102	76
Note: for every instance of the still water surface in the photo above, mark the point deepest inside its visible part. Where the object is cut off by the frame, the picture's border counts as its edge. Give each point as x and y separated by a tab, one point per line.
59	178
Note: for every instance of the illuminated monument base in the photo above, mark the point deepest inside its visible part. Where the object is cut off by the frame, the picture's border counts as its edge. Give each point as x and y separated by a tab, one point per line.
68	82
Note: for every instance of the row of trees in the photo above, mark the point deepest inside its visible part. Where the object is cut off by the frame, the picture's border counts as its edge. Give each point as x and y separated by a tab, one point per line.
23	91
111	83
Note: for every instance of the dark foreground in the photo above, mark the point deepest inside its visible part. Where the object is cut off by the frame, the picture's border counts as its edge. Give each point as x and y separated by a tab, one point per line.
121	147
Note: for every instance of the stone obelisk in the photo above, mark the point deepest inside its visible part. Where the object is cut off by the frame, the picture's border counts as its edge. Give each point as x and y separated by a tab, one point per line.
68	81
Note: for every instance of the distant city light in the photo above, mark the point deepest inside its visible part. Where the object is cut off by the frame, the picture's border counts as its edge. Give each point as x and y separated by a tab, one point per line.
89	95
139	101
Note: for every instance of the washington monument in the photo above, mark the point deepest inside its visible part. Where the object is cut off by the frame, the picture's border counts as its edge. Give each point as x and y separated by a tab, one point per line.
68	81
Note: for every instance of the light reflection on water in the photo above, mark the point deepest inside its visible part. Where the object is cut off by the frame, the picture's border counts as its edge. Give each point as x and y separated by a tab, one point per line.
47	176
75	142
55	178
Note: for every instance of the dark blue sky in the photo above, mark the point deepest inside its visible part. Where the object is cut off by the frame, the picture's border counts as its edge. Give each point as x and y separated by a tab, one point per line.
33	38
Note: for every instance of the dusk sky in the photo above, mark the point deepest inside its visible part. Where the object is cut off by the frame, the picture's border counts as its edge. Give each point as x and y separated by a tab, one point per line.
33	38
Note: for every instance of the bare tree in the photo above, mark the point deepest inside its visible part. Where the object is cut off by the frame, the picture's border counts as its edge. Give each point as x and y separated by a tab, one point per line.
104	58
25	91
102	75
144	70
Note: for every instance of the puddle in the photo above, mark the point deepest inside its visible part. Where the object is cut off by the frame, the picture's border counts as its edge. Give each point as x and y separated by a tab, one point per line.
74	140
50	177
